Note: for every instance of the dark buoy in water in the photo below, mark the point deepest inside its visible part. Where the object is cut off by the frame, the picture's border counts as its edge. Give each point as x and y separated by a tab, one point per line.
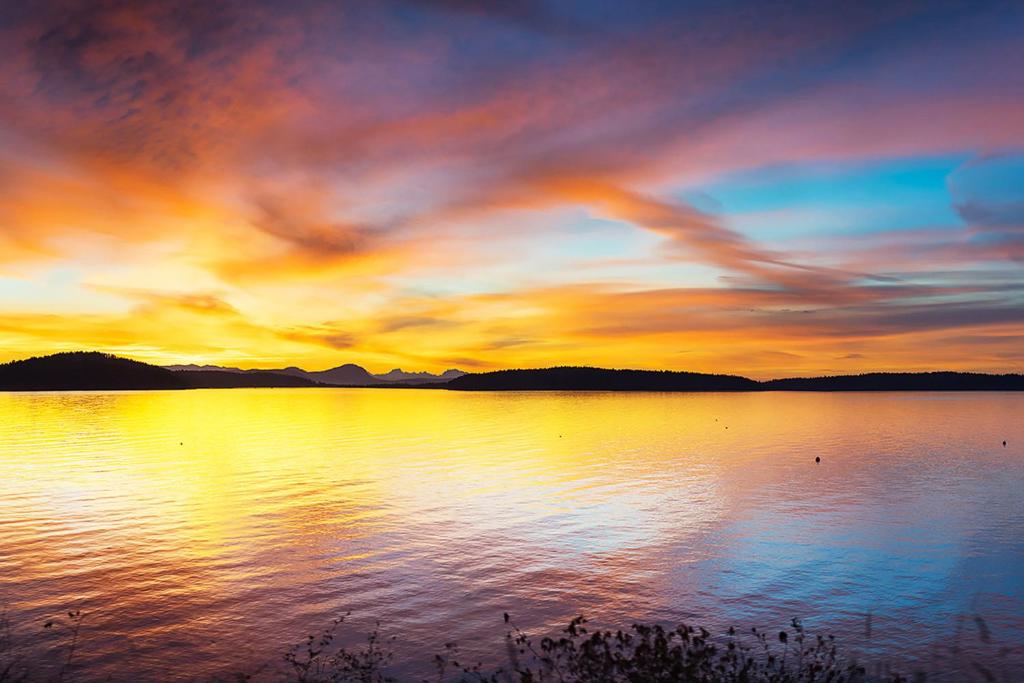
1004	443
817	458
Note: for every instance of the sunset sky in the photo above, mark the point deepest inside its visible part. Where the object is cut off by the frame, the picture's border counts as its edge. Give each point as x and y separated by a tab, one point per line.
761	188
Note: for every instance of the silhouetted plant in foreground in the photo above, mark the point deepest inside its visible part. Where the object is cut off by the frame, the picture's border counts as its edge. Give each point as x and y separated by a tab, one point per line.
318	660
10	663
639	654
653	653
14	668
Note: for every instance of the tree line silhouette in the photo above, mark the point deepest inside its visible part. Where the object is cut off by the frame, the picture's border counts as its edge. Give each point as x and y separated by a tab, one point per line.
88	370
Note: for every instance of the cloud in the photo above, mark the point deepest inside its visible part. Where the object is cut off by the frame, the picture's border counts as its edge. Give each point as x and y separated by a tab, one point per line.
309	234
989	198
409	172
530	14
327	335
195	302
395	324
703	237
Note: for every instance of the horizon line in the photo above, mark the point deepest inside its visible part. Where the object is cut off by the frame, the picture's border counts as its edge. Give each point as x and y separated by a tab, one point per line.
213	367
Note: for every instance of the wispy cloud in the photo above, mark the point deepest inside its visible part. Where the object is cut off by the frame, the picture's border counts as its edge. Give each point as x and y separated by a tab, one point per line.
418	182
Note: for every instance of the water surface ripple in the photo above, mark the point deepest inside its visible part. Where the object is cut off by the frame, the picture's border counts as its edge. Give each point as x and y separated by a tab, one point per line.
202	532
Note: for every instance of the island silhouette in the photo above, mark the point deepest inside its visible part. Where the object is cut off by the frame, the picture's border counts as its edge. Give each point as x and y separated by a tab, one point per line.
91	370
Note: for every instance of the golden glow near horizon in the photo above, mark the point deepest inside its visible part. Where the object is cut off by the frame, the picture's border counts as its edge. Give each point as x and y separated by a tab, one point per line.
431	187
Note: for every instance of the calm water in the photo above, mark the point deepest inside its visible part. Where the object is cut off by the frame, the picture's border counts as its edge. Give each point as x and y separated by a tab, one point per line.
204	531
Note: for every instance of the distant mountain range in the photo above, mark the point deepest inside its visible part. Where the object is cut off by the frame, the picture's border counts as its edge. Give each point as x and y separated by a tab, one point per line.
346	375
97	371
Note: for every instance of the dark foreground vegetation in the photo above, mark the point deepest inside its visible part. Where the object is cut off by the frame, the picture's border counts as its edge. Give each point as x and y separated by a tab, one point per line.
578	655
640	653
82	370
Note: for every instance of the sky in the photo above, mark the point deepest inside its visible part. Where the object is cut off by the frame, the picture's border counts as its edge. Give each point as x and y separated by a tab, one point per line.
762	188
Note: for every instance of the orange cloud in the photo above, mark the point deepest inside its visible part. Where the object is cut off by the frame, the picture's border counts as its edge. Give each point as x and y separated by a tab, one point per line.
386	184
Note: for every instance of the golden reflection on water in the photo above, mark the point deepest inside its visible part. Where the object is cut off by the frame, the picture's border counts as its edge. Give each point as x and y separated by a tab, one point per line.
186	517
